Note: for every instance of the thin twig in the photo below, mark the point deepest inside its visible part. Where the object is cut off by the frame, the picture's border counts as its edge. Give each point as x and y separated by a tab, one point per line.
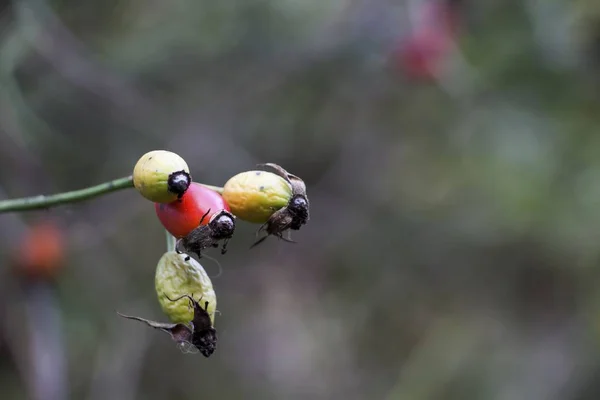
217	189
40	202
171	241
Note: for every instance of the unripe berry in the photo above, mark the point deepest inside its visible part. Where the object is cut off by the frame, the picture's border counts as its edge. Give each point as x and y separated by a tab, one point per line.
254	196
178	275
161	176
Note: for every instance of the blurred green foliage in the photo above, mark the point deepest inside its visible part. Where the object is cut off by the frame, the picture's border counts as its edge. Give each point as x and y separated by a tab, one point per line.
454	241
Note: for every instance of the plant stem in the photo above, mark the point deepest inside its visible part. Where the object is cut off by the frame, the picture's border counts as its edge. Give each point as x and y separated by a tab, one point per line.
41	201
217	189
171	241
38	202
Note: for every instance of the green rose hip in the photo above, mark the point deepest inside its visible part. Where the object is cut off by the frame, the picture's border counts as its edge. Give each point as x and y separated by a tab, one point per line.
178	275
186	295
161	176
254	196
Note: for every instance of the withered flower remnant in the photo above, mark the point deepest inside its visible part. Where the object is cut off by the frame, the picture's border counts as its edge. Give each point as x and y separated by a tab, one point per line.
221	227
198	332
294	215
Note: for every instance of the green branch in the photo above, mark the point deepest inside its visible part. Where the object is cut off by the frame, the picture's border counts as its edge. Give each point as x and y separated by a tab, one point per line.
41	202
217	189
171	241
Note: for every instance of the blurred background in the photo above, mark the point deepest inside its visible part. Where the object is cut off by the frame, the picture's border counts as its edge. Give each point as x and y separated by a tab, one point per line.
451	151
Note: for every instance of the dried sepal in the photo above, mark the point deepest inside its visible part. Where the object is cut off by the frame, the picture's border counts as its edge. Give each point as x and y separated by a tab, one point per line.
204	334
180	333
298	185
220	228
291	217
179	182
199	332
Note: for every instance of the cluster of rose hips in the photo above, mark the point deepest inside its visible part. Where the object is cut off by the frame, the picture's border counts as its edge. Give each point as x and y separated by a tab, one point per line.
201	217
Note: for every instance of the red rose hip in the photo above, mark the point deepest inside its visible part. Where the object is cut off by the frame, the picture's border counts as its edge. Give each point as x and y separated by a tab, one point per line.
182	216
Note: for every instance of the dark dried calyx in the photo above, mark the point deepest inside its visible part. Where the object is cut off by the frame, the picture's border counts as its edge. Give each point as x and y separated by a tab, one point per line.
294	215
222	225
298	208
205	341
179	182
220	228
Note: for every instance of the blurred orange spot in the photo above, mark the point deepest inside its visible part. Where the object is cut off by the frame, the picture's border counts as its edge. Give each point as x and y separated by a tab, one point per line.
41	251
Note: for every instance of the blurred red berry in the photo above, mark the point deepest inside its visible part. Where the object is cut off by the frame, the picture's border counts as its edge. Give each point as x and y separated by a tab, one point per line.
425	50
182	216
41	251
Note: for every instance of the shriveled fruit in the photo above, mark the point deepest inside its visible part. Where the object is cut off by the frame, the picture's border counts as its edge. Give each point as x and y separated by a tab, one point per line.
177	276
161	176
254	196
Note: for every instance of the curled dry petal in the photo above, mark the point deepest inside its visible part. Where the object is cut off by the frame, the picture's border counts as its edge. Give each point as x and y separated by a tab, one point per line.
199	331
298	185
180	333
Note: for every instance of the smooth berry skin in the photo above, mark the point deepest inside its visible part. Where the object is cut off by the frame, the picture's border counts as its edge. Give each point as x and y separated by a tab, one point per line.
161	176
182	216
255	195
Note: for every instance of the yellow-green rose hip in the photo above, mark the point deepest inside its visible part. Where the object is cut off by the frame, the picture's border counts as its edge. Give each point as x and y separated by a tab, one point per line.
254	196
178	275
161	176
291	217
